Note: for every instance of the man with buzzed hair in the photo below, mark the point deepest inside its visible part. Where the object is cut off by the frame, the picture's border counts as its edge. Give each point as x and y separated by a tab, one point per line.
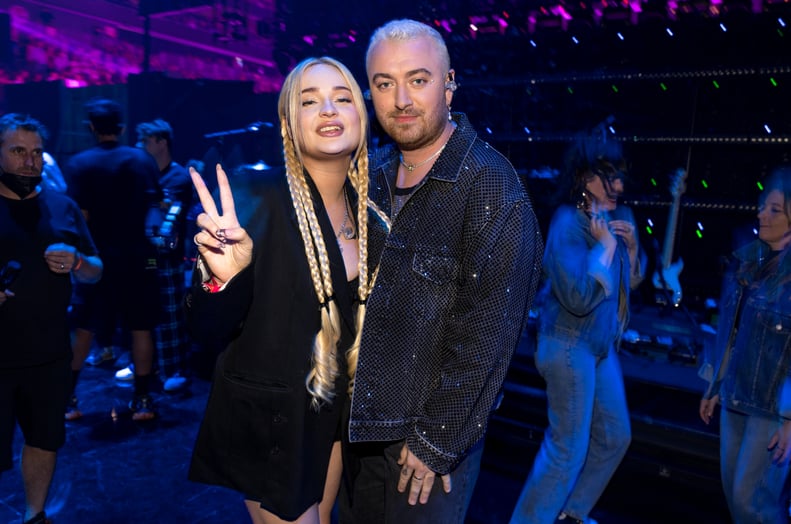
45	242
116	187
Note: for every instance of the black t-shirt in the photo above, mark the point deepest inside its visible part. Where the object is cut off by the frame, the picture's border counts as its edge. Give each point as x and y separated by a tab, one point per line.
117	186
33	323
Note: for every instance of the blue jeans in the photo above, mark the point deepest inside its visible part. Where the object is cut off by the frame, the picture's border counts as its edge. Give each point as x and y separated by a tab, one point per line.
754	486
588	433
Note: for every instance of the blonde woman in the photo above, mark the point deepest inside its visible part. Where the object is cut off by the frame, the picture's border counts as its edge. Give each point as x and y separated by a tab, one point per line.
285	292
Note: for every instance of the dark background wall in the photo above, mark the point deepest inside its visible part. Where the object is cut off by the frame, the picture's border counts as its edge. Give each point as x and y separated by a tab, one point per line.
703	87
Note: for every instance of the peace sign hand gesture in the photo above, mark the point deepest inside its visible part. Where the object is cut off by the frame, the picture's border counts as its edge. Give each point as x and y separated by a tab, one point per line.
224	245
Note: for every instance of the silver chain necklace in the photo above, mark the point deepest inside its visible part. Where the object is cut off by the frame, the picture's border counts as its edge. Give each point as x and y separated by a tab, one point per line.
412	167
347	230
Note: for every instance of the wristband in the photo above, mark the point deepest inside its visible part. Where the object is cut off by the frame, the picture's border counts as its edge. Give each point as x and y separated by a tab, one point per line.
212	285
78	265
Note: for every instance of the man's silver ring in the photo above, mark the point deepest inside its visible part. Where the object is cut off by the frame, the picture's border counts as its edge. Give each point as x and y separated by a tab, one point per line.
62	266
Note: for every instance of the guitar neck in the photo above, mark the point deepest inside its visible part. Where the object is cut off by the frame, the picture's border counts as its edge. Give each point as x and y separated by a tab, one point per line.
670	232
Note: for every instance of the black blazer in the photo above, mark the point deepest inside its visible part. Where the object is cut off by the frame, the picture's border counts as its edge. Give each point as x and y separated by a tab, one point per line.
259	435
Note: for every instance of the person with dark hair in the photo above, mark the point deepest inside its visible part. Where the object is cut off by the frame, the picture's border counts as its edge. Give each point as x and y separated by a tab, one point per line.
591	263
283	285
752	376
456	280
45	242
116	188
170	335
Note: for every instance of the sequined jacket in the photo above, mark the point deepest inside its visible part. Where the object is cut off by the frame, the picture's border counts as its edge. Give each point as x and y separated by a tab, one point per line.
752	371
457	275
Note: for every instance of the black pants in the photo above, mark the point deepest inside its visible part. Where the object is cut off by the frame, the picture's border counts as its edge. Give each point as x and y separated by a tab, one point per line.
370	480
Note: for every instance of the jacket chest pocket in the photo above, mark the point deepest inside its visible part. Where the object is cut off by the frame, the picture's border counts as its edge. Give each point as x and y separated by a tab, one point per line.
774	322
437	269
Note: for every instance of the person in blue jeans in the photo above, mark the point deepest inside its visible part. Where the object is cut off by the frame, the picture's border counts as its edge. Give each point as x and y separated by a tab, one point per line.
591	262
751	378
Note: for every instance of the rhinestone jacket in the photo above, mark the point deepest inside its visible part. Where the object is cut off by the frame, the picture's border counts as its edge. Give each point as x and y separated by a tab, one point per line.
457	276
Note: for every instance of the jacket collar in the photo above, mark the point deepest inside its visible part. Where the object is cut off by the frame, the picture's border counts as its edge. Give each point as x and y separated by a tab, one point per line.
459	145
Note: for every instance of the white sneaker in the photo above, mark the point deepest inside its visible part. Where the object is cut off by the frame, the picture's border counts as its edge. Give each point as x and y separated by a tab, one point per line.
174	383
126	374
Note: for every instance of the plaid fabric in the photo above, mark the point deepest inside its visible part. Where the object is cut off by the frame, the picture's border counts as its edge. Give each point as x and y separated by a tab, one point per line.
170	335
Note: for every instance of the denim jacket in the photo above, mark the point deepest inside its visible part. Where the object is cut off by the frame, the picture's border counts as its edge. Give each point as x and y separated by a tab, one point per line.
580	299
752	374
458	273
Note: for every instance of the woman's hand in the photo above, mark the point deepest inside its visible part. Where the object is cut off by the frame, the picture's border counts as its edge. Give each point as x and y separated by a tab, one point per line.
626	230
600	229
781	444
707	406
224	245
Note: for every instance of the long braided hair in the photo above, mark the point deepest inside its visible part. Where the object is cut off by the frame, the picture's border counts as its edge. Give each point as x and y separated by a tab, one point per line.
324	372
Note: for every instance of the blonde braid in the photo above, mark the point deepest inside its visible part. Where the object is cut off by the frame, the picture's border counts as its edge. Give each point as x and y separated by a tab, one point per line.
292	166
321	378
358	174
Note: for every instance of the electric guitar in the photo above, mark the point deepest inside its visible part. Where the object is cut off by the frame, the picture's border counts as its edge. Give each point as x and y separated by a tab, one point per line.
666	275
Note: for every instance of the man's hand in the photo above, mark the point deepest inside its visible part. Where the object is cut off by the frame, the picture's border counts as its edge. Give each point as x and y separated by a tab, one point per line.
60	257
422	478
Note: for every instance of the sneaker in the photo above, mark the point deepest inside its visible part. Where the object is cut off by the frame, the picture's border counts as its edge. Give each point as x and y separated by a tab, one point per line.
100	356
142	408
174	383
72	411
126	374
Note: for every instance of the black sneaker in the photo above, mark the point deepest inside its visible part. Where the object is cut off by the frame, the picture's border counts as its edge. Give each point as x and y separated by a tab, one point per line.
40	518
142	408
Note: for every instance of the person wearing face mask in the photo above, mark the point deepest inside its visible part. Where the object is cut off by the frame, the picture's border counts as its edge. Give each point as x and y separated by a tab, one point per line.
751	379
45	242
592	261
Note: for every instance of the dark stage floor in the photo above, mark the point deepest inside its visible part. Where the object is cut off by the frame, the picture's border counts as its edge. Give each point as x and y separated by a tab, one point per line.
113	470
